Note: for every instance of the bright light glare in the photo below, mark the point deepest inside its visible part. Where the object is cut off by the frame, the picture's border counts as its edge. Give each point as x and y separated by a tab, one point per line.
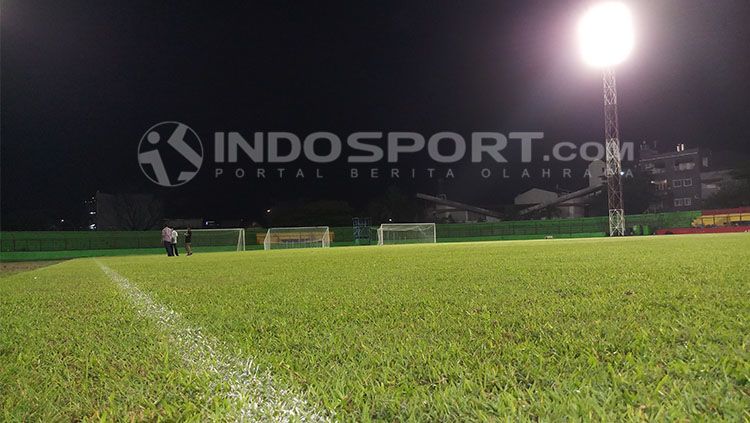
606	34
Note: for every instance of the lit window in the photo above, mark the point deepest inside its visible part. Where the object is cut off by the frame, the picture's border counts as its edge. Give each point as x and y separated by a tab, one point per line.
684	165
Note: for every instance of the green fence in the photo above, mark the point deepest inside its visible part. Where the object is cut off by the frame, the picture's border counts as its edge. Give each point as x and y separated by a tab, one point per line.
19	242
561	228
108	240
558	228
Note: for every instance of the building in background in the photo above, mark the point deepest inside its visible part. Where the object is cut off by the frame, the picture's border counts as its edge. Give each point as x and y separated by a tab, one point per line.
675	176
443	213
684	178
566	208
534	196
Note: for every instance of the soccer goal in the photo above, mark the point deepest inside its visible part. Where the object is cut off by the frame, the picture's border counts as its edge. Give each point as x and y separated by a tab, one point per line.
304	237
406	233
232	239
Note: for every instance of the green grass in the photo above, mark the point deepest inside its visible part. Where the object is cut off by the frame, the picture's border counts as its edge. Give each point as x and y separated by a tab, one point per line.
20	256
604	329
56	255
71	349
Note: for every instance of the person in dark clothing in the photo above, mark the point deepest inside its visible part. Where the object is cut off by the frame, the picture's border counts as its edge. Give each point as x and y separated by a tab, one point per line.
189	241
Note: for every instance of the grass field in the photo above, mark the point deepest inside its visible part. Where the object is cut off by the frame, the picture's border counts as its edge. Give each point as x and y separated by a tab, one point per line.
603	329
22	256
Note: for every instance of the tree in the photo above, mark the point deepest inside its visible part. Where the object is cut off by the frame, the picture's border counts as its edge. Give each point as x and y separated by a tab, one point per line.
394	205
735	193
316	213
133	212
637	191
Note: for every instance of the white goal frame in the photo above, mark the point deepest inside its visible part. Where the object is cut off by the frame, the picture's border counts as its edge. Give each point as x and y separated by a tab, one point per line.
405	227
240	234
325	241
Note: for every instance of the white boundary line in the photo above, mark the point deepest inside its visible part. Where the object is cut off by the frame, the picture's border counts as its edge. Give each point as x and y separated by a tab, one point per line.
250	391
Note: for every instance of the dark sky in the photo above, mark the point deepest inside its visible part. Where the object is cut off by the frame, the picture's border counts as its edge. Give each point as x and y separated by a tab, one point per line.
82	80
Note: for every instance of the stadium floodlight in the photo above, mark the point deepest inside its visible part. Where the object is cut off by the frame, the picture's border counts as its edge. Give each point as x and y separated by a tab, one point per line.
406	233
606	36
302	237
218	239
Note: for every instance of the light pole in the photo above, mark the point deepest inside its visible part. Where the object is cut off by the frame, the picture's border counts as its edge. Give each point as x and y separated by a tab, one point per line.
606	36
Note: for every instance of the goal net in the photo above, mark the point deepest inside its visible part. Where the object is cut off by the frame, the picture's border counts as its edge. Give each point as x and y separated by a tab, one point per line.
304	237
232	239
406	233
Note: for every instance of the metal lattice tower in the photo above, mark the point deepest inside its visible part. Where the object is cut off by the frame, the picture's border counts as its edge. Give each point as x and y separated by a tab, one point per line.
613	169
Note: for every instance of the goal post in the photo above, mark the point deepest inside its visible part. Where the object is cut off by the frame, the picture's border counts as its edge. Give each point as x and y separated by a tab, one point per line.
230	239
301	237
406	233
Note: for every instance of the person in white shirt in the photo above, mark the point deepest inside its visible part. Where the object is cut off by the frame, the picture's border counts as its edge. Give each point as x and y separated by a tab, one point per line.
166	238
174	242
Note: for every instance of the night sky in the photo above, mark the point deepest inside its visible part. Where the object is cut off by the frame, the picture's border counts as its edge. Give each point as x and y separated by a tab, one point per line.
80	82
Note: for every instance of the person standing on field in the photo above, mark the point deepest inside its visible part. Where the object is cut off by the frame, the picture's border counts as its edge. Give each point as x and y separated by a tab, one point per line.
174	242
166	238
189	241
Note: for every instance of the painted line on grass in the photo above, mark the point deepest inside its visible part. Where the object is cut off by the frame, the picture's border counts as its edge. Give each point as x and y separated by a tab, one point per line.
251	391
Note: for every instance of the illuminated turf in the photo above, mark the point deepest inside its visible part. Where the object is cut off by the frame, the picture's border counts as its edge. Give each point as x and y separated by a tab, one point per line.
519	329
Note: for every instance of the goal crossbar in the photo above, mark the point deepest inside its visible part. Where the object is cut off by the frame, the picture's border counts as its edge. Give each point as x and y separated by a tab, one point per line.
402	233
297	237
216	240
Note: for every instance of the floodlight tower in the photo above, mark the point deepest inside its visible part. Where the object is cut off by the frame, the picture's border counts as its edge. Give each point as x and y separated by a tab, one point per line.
606	37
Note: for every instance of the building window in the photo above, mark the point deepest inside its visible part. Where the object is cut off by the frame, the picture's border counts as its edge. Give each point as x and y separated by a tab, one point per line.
679	202
684	165
705	162
677	183
661	185
687	182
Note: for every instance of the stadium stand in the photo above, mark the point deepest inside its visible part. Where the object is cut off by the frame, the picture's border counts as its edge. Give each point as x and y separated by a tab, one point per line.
723	217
